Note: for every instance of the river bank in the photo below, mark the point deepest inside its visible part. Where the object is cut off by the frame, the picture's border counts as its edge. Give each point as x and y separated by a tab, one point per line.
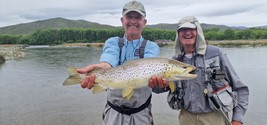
11	52
239	43
162	43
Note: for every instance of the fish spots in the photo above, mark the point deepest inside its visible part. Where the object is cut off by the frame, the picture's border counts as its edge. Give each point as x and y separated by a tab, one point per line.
166	75
137	72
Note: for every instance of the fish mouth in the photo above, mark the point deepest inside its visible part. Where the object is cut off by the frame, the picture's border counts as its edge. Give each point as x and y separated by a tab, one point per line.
192	71
189	74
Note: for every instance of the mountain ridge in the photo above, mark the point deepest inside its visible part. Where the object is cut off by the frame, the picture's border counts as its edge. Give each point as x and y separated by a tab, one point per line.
60	23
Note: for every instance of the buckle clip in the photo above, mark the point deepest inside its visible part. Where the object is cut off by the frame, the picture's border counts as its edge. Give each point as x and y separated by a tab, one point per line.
126	110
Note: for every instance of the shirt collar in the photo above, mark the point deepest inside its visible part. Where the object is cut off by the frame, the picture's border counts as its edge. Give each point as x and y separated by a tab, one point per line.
135	42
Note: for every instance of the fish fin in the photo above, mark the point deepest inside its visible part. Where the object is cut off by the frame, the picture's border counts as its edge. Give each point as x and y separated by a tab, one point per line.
71	81
72	72
128	97
98	88
127	93
172	86
74	77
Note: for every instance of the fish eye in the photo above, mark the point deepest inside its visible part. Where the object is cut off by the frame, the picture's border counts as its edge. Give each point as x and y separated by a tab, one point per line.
184	67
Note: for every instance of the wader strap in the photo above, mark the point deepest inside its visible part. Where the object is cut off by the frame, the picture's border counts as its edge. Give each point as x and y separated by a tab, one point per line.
128	110
121	44
142	49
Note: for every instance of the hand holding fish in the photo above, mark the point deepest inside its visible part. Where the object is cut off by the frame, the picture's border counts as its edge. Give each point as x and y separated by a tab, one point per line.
236	123
157	81
90	79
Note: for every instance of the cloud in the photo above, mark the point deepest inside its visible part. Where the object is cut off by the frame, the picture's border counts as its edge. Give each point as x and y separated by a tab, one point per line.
227	12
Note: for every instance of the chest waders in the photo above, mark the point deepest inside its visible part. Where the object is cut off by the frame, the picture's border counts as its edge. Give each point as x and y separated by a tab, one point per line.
125	109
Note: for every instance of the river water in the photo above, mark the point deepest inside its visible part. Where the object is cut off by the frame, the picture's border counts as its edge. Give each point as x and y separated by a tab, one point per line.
31	90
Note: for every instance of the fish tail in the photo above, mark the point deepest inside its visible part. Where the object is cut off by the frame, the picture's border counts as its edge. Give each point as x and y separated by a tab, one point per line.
74	77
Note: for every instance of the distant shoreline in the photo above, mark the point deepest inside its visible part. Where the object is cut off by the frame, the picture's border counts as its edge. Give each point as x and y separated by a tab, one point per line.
222	43
161	43
239	43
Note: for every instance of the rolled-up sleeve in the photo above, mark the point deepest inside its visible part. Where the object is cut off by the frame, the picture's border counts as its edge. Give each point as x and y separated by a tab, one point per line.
152	50
111	52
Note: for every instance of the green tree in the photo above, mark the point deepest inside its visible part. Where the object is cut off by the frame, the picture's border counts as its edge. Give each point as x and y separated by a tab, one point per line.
229	34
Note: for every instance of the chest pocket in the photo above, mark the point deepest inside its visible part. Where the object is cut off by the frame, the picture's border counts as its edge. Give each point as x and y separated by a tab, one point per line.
213	70
213	63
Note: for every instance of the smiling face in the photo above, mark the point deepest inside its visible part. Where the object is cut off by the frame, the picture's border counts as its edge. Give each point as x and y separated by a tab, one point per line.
133	24
187	37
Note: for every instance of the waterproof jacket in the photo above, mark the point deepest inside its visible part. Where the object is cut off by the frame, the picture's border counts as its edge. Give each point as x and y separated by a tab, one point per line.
195	101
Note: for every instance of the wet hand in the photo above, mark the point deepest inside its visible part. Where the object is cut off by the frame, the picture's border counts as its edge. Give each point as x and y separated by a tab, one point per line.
157	81
236	122
89	81
86	69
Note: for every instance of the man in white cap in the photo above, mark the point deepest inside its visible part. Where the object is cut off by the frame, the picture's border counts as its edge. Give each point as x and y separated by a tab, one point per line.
217	90
137	110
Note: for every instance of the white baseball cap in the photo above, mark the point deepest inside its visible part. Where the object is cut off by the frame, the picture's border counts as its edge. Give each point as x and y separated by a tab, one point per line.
187	25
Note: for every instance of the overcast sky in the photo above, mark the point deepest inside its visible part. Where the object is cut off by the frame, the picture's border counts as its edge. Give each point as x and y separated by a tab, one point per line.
224	12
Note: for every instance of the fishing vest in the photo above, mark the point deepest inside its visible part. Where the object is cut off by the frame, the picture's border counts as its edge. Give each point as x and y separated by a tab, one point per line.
141	49
218	90
217	86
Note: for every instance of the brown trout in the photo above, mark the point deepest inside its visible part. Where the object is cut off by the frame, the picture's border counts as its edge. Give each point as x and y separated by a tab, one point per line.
134	74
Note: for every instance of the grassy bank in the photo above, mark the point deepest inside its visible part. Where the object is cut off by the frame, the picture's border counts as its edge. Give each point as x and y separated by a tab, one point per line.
222	43
239	43
82	44
228	43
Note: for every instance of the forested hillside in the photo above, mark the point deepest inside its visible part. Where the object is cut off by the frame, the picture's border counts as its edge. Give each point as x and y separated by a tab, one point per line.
54	23
58	30
61	23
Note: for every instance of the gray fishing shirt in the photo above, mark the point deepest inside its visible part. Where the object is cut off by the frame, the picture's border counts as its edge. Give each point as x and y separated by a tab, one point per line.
195	100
